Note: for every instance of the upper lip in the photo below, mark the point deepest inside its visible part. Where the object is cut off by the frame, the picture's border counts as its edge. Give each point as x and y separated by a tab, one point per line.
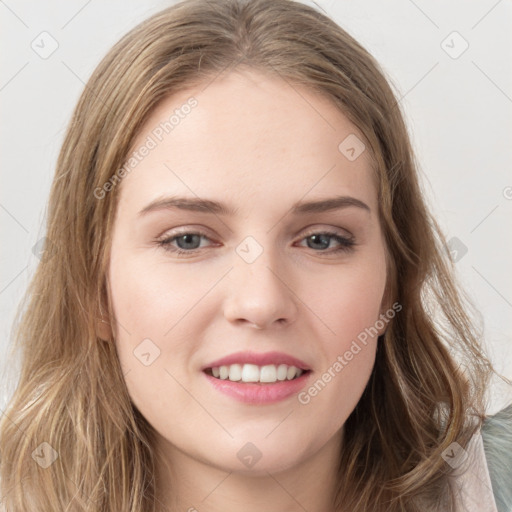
259	359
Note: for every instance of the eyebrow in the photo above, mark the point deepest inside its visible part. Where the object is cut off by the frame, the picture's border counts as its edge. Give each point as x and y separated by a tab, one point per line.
219	208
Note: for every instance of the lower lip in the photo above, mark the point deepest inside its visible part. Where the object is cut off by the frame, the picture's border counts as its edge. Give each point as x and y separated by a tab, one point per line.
256	393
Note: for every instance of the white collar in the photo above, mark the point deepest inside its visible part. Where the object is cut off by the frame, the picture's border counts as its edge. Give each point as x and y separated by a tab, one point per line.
472	481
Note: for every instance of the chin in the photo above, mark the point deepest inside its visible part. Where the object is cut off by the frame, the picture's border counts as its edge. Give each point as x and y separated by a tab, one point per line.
258	456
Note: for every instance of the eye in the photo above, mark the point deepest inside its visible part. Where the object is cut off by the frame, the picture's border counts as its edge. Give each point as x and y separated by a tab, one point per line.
322	240
189	242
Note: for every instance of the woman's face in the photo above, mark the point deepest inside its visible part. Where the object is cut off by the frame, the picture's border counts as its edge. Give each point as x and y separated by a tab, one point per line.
259	283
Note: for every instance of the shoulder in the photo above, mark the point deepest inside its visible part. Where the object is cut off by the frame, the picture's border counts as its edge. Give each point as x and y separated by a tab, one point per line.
496	433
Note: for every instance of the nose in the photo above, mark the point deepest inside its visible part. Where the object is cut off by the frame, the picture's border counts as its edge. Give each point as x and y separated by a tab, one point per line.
260	295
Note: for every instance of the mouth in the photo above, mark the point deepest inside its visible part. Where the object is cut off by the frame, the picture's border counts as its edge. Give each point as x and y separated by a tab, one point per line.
255	374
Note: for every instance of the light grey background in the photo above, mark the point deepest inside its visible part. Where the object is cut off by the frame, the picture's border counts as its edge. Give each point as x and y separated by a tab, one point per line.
458	107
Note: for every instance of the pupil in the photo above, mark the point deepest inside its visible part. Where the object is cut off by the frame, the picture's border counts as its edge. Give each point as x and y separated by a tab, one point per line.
188	239
324	240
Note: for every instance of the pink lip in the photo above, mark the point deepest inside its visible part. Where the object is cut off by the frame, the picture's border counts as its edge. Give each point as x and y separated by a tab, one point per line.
260	359
258	393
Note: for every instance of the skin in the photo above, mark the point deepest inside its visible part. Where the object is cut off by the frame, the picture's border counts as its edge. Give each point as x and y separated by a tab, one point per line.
259	145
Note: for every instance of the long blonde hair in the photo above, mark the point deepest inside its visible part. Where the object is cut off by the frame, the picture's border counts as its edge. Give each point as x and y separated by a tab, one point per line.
430	376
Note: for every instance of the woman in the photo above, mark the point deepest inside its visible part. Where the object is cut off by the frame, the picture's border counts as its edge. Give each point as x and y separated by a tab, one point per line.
310	351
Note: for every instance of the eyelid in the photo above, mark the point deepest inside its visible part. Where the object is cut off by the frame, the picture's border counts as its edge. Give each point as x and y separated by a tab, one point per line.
167	233
344	233
202	231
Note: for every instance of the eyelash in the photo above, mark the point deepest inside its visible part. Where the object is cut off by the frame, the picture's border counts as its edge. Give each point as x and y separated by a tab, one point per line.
346	244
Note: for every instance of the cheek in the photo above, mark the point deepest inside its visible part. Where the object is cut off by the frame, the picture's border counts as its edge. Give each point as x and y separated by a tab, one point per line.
142	306
349	301
349	307
349	358
150	313
148	299
160	320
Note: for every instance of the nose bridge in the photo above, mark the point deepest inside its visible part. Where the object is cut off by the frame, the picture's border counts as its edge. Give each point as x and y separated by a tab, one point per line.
259	292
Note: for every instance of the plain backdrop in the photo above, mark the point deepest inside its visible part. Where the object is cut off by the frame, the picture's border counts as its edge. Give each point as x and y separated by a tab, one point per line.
449	62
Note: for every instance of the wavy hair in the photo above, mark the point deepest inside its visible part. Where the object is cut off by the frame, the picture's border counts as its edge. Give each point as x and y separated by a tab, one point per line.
428	386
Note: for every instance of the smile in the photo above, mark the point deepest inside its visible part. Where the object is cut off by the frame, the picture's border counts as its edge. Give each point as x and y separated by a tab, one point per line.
261	386
268	374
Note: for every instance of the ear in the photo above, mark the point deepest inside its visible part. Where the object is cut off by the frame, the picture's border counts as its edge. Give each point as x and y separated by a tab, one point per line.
103	325
103	329
385	307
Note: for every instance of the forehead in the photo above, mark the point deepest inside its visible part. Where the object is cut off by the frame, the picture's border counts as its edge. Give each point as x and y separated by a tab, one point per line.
253	136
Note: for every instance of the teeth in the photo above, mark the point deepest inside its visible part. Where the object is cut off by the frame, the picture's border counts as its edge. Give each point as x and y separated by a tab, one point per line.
254	373
250	373
268	373
224	372
282	371
235	372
